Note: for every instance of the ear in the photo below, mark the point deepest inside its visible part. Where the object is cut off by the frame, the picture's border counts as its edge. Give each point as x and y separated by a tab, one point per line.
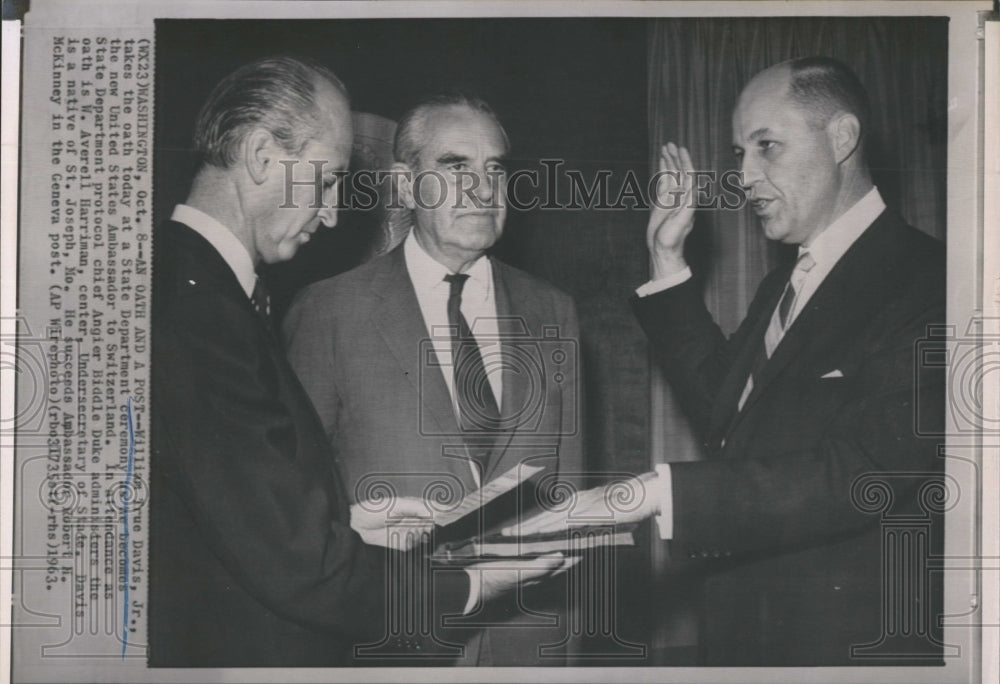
403	175
844	130
259	154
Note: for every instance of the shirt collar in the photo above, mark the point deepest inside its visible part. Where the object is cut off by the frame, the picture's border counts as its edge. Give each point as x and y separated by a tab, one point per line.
831	244
223	240
427	274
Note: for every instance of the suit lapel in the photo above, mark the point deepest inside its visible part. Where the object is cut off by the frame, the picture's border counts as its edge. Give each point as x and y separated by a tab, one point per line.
843	303
725	409
398	319
517	382
511	327
197	257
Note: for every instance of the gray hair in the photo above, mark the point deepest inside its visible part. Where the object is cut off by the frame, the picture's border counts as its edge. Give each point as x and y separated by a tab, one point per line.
824	86
277	94
410	133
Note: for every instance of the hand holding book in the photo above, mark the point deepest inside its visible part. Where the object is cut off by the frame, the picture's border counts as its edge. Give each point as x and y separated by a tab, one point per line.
409	524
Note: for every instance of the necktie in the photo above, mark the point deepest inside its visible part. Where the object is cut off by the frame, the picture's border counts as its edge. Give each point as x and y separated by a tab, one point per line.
477	407
260	300
782	318
792	289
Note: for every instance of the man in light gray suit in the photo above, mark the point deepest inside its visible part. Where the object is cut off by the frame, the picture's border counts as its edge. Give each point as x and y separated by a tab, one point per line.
437	365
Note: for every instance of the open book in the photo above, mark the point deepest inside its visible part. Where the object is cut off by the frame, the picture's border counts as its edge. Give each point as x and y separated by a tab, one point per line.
485	541
571	542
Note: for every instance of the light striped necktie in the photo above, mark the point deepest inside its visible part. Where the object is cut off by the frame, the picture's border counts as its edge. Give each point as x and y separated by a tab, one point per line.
784	315
793	288
781	320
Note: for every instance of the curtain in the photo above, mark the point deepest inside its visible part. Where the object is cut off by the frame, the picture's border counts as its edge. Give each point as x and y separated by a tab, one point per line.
696	70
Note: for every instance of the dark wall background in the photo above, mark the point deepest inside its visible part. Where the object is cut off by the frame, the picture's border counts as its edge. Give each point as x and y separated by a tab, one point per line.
570	89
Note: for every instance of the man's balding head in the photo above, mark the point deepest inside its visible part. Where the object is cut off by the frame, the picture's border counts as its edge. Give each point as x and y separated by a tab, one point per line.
798	129
823	87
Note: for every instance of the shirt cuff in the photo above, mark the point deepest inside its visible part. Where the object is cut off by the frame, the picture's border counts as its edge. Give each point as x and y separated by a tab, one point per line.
474	589
665	283
664	490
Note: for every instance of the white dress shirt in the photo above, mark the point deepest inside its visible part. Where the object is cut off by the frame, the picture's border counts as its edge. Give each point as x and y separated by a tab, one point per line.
225	242
826	250
479	307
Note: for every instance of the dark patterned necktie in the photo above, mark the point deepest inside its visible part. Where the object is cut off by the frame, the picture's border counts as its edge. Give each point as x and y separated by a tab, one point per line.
261	302
478	414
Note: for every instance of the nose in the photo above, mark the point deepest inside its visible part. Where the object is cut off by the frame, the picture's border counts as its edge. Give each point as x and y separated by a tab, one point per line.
750	172
488	187
328	216
483	188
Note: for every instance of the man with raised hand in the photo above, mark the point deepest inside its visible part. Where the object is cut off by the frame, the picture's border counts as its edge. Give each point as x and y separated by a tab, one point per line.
808	411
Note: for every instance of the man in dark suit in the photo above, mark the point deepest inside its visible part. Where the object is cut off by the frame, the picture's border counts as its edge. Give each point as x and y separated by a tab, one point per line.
253	562
436	367
809	411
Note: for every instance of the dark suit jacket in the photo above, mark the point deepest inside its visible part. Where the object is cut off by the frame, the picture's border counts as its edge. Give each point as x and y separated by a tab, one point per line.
777	515
359	343
252	560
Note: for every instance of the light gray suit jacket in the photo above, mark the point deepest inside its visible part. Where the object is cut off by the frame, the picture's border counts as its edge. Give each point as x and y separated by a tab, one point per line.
359	344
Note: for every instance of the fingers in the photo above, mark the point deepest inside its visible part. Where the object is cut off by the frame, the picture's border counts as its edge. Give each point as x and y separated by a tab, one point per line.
676	173
567	565
551	521
685	159
676	158
542	565
397	538
405	510
410	507
524	568
498	577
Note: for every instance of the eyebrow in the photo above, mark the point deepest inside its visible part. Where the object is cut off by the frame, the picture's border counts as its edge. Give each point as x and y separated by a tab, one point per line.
453	158
759	133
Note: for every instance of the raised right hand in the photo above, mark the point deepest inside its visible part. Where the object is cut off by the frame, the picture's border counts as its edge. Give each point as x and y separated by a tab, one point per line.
671	215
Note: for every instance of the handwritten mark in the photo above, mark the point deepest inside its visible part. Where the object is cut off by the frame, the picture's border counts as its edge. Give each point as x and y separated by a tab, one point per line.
125	497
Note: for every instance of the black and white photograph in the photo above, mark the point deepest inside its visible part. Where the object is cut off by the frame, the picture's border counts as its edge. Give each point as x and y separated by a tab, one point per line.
418	344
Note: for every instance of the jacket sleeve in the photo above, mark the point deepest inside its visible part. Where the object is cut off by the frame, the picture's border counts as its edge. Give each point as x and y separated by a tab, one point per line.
265	501
694	353
737	505
802	495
